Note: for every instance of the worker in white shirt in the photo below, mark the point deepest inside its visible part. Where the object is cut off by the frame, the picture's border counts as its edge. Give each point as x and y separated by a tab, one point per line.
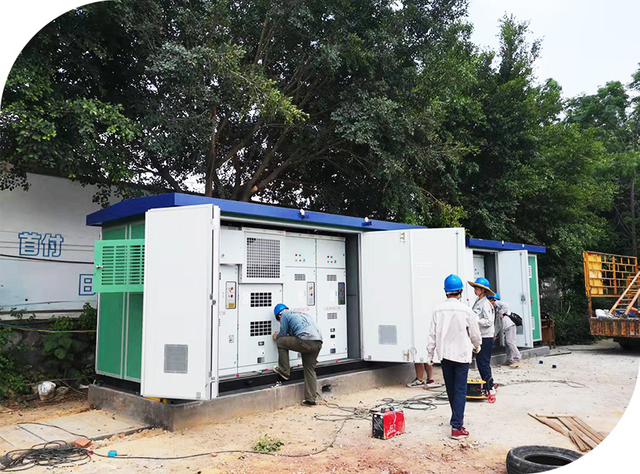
453	336
486	315
506	325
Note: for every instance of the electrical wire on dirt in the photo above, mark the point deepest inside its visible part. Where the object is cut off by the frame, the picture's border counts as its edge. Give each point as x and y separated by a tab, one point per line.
54	453
419	402
569	383
58	453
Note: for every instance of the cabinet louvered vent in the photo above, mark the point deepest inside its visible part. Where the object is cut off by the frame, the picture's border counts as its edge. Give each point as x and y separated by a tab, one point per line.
260	300
260	328
176	359
300	277
332	277
263	258
119	266
332	315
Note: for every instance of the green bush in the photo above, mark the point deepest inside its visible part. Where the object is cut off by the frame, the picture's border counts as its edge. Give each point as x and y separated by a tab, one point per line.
65	348
13	378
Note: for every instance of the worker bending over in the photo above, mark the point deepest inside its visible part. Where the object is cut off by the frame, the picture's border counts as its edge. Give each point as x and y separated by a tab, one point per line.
454	335
505	324
298	333
486	315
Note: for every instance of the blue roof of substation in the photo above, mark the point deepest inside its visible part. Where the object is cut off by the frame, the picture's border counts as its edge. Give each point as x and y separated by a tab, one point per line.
502	245
137	207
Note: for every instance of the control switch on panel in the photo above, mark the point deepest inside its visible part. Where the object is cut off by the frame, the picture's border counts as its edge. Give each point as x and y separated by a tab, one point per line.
230	295
311	298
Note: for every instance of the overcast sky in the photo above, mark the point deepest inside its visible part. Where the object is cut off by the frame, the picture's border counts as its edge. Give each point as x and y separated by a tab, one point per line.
585	43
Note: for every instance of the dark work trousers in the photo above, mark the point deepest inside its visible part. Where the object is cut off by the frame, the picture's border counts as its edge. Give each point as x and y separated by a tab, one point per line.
309	351
483	359
455	379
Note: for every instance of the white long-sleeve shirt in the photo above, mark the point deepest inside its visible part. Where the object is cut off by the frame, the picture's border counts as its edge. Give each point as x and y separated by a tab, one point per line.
486	316
454	332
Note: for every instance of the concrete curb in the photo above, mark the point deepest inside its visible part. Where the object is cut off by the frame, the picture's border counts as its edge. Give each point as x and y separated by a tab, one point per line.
187	415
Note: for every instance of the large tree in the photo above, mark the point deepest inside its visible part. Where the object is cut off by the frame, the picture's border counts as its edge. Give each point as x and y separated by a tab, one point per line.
267	98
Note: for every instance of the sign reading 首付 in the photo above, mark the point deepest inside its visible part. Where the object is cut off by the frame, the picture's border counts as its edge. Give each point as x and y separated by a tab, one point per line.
33	244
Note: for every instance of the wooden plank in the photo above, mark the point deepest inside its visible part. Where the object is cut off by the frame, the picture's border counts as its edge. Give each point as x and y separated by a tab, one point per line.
581	431
550	423
569	423
582	446
596	434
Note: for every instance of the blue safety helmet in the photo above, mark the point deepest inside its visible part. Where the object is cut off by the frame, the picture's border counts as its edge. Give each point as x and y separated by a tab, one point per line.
279	309
453	283
494	297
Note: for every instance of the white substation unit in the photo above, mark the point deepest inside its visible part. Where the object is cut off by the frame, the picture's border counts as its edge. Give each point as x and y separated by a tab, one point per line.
208	273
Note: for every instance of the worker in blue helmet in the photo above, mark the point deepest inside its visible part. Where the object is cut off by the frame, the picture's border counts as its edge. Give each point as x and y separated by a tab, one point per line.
298	333
453	336
486	319
505	325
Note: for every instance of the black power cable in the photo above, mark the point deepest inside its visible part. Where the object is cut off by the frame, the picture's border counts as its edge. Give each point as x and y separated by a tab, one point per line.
54	453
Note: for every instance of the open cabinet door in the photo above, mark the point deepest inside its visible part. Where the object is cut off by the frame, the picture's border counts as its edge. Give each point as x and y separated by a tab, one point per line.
513	284
180	316
403	276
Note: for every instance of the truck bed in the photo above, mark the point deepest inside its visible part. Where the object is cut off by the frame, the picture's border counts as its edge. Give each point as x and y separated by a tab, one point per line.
627	327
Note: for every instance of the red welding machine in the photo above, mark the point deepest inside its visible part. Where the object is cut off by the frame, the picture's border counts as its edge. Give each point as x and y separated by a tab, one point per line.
388	423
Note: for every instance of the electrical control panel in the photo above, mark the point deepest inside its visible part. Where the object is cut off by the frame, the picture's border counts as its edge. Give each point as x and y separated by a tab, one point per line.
256	325
330	253
228	321
332	313
277	267
300	251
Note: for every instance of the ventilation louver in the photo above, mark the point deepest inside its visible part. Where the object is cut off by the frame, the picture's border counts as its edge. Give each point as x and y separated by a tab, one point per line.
119	266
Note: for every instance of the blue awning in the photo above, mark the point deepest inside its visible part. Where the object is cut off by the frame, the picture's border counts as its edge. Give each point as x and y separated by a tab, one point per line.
502	245
136	207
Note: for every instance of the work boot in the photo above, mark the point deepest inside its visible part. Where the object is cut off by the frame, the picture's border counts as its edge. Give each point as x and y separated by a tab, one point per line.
309	403
277	370
459	434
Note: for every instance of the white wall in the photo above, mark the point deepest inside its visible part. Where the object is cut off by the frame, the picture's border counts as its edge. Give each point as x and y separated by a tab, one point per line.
41	232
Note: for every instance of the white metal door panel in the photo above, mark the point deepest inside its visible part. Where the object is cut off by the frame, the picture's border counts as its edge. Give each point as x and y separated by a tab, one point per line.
256	347
231	245
513	285
300	251
300	294
386	296
331	253
437	253
403	275
332	313
228	320
178	327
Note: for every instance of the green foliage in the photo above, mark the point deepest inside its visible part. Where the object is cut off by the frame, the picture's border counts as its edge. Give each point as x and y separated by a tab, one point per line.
266	444
13	380
64	348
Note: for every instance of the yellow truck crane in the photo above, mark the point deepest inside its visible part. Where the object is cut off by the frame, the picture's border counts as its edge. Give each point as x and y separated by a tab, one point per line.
612	284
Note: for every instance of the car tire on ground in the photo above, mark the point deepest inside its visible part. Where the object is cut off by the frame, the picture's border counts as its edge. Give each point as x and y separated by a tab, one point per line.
532	459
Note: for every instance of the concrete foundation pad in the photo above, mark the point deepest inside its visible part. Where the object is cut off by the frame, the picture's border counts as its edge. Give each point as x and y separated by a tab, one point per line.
260	400
266	399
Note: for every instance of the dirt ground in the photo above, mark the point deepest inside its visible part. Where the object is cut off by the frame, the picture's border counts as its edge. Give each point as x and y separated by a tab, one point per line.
608	374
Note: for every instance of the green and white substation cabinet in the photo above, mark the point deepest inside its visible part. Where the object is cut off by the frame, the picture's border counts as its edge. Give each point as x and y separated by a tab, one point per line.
186	288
